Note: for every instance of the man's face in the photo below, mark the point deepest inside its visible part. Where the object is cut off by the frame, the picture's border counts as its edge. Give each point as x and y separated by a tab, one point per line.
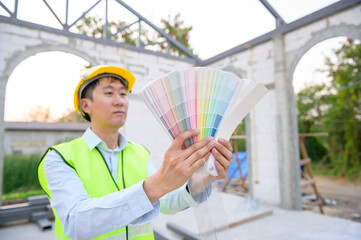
109	106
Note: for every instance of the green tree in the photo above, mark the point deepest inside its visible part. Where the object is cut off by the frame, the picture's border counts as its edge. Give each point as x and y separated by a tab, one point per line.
336	109
94	27
175	28
313	103
240	131
344	118
71	115
39	113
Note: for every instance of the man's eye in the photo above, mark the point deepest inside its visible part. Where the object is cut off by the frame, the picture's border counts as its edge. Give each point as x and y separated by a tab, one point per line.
109	93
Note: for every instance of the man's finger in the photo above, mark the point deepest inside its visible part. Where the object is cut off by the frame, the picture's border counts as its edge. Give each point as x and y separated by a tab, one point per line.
198	150
196	146
200	162
222	173
226	143
224	162
224	148
179	140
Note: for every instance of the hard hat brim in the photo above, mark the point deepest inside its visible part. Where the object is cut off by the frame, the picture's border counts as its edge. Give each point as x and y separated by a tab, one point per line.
94	72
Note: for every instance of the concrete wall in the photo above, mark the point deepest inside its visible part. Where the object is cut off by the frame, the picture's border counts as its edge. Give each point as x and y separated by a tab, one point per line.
258	64
272	129
36	137
18	43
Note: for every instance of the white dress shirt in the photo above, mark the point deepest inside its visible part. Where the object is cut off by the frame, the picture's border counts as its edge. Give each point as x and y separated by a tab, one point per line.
84	217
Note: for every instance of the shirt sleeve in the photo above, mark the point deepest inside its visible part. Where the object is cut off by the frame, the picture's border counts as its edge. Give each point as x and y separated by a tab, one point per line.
84	217
179	199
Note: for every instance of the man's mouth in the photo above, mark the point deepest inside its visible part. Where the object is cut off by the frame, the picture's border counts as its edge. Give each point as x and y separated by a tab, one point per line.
118	112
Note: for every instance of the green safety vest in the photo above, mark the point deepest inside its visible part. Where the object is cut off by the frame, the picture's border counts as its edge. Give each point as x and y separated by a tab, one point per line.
92	169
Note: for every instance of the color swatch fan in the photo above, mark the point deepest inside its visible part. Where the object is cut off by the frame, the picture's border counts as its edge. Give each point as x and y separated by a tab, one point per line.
208	99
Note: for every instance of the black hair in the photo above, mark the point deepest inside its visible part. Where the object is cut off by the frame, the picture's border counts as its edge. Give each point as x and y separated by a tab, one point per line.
88	93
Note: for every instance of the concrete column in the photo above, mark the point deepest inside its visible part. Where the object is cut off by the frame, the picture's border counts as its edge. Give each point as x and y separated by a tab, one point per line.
249	156
288	162
2	131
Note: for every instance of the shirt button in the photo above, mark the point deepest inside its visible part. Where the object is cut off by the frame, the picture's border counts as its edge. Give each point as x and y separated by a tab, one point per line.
114	226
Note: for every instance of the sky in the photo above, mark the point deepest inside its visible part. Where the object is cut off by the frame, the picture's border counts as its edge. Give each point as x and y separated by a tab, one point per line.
311	68
217	27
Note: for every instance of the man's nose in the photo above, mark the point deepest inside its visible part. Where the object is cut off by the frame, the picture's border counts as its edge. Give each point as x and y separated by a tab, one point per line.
119	100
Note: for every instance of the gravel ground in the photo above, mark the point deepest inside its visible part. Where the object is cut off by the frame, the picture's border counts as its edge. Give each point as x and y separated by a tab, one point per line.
342	198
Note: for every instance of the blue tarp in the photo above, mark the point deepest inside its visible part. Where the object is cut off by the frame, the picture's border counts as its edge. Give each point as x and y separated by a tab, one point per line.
242	156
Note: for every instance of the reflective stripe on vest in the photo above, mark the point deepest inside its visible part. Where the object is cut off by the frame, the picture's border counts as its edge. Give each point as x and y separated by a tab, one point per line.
92	169
120	236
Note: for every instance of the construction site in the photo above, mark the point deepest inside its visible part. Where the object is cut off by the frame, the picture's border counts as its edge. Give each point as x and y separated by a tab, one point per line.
271	191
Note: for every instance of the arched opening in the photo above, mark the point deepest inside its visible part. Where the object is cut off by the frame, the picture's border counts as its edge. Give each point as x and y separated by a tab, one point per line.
41	87
328	91
310	69
310	81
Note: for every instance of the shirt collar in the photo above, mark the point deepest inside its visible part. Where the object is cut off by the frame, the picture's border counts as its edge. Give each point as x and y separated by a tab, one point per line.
92	140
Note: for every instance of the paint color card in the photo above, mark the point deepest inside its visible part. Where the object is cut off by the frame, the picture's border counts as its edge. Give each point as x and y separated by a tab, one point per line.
208	99
194	98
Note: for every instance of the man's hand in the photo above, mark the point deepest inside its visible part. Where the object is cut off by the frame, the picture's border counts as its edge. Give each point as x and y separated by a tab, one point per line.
179	164
223	155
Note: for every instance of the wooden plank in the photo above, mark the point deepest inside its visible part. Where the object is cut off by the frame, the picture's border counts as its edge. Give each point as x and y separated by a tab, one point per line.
305	161
319	134
239	222
238	137
309	182
315	203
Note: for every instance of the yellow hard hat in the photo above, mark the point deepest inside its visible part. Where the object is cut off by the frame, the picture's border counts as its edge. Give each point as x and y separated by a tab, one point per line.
97	72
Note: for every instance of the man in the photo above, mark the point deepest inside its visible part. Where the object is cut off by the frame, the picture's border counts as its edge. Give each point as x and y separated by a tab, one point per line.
103	186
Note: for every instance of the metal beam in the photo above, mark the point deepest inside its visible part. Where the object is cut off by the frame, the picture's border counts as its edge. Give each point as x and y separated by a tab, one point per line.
16	8
140	34
125	27
96	40
26	211
313	17
317	15
6	9
84	13
106	35
51	10
66	13
282	29
105	29
276	15
164	34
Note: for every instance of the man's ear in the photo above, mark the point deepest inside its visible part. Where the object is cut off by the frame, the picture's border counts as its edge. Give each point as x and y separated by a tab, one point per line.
85	104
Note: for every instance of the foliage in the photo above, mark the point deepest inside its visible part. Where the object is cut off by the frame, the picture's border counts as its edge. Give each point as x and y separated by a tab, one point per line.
324	169
336	109
313	103
175	28
240	131
71	116
40	113
22	194
94	27
344	118
19	174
